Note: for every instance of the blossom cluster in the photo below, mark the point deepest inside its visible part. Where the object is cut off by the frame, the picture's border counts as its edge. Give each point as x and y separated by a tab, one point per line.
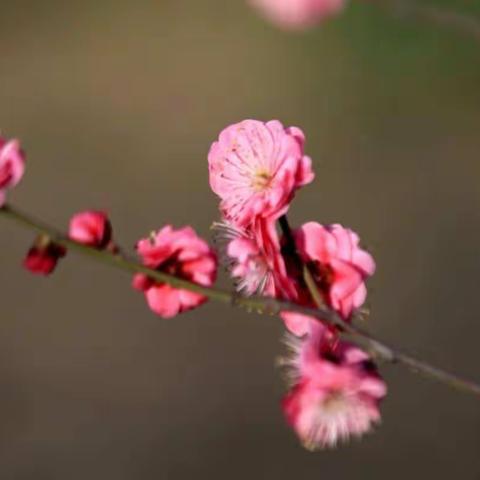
256	168
178	252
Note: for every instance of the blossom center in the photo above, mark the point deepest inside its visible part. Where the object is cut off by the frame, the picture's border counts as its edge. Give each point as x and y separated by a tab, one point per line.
334	402
261	180
172	266
323	274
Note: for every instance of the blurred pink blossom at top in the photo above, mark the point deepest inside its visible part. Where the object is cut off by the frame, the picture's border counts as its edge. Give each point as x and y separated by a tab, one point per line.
255	168
183	254
12	166
297	14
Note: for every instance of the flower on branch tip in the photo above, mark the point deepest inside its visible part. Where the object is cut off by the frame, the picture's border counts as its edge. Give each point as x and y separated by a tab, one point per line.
43	256
338	264
336	391
183	254
12	166
255	168
297	14
91	228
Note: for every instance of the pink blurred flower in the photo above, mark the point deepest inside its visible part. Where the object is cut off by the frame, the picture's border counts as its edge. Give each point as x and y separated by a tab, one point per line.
336	392
305	353
255	168
339	265
43	256
91	228
180	253
298	14
12	166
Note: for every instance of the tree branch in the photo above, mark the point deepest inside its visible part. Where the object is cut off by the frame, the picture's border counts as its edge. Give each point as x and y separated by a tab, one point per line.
263	305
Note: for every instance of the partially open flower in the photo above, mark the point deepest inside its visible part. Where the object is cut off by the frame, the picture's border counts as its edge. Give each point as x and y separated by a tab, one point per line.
255	259
336	394
12	166
251	267
340	267
91	228
298	14
180	253
255	168
43	256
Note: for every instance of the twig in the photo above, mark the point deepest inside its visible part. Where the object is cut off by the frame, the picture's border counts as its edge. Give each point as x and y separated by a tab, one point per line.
260	304
374	346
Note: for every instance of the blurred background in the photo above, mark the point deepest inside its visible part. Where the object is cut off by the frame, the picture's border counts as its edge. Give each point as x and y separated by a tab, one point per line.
116	103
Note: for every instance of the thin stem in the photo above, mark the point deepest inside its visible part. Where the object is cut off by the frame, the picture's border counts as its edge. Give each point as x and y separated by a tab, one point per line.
260	304
306	272
461	23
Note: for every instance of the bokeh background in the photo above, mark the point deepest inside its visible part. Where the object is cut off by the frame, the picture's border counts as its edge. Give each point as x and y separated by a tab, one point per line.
117	103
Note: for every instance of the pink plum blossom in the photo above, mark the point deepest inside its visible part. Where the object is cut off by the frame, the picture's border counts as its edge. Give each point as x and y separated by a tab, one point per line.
298	14
12	166
251	267
339	265
43	256
255	168
180	253
91	228
336	392
255	259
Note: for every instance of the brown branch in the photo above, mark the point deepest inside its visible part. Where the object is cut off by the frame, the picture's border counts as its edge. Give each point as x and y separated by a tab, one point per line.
375	347
260	304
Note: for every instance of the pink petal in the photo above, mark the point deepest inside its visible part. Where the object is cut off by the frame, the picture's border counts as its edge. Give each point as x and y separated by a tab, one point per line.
296	323
163	300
